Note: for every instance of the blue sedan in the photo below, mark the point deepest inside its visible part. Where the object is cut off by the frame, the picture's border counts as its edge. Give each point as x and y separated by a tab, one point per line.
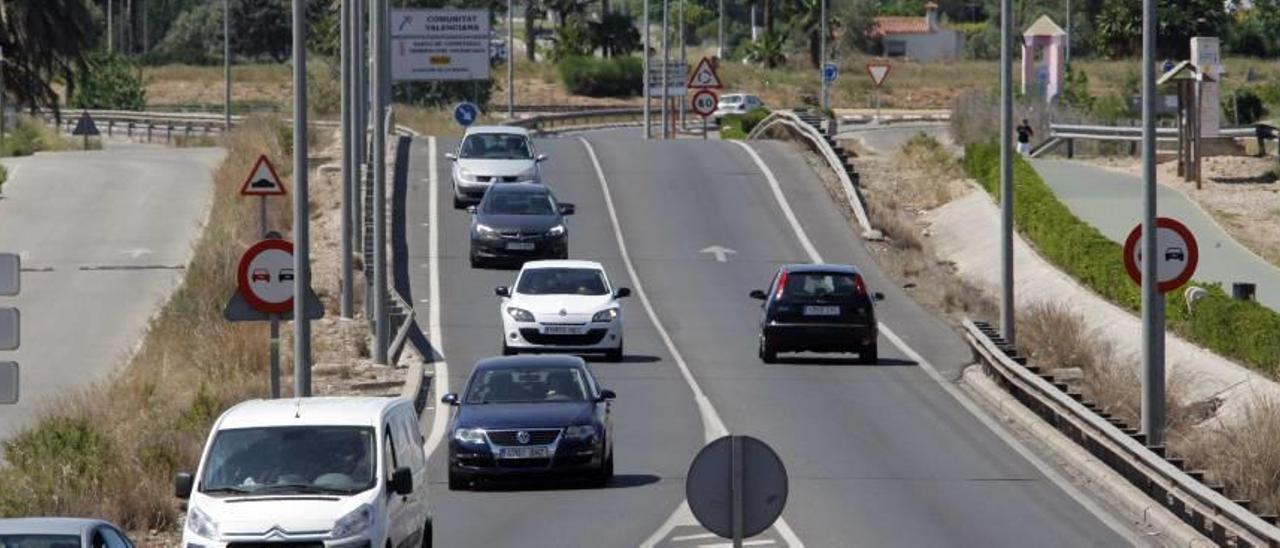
528	416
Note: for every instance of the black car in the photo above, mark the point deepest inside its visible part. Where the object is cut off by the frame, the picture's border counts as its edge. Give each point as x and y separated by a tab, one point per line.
518	222
818	308
529	416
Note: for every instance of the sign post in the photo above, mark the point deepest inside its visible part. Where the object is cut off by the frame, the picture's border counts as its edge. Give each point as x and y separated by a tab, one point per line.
705	80
86	128
262	182
879	71
10	285
704	104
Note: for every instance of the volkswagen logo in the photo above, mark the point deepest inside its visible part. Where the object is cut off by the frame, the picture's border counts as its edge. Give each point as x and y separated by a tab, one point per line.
522	437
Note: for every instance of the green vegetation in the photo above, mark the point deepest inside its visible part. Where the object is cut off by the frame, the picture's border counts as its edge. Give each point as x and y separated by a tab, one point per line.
737	126
595	77
1242	330
4	176
30	136
112	82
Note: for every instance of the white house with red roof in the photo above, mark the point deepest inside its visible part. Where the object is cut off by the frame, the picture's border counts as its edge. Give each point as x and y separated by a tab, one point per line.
918	38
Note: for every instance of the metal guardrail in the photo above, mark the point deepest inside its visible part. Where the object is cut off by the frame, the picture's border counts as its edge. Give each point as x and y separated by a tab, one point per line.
580	119
1207	509
1130	133
187	122
820	144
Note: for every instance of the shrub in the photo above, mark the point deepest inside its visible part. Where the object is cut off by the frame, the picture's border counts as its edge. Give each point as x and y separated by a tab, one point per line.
572	39
617	77
30	136
1244	106
744	123
110	82
1242	330
4	176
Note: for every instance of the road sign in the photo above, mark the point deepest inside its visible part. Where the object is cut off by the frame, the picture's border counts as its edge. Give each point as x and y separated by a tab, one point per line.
85	126
8	383
10	274
466	113
1176	254
10	330
736	487
677	74
830	72
704	102
262	180
879	72
704	76
439	44
265	276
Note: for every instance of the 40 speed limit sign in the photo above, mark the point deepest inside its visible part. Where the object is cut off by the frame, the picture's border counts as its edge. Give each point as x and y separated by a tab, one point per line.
704	102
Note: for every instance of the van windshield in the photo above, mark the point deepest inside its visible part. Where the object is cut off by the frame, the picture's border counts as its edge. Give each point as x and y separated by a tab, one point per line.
291	460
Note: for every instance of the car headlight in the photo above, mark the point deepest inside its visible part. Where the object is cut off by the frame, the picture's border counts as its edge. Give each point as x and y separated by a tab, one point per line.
520	314
557	230
485	230
606	315
200	524
354	522
580	432
473	436
466	173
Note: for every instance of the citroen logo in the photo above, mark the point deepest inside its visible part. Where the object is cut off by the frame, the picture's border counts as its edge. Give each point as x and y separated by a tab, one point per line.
564	312
275	532
522	437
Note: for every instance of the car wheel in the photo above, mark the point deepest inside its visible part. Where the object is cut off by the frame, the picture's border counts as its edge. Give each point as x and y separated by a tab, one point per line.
507	350
605	474
427	536
869	353
456	481
768	352
458	202
476	262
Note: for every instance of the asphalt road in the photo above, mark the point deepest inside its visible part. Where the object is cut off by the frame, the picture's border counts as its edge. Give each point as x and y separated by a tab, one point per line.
104	236
888	138
878	455
1112	203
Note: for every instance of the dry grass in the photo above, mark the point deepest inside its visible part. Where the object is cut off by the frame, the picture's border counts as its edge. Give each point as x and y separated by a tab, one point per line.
931	176
1244	456
111	451
254	86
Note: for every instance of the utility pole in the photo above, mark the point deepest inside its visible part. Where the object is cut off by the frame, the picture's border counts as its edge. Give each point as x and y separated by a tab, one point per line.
111	36
226	63
2	94
511	61
1152	299
1066	57
648	130
720	34
822	57
360	98
347	17
1006	171
684	61
666	66
301	220
380	79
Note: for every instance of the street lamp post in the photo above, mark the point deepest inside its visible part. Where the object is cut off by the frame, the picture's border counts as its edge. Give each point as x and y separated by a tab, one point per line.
1152	301
301	218
1006	172
226	64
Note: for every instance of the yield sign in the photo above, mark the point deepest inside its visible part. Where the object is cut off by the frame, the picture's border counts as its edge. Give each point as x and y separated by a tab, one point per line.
704	77
262	181
879	72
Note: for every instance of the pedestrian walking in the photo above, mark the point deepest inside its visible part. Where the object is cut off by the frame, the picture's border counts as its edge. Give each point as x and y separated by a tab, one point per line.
1025	133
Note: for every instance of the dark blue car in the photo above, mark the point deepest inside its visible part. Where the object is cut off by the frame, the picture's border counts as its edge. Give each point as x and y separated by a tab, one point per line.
526	416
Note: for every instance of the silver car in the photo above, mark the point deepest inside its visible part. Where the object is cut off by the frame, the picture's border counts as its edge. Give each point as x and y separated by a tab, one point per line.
735	103
492	154
61	533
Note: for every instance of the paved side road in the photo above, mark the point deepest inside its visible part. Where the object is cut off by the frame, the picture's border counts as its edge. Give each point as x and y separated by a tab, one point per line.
104	236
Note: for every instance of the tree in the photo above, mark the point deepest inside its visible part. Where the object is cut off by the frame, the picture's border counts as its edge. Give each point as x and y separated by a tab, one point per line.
855	17
194	38
768	50
110	82
808	23
615	34
572	39
262	28
44	42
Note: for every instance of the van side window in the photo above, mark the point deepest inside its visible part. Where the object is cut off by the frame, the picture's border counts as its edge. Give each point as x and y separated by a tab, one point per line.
389	453
113	538
404	442
413	437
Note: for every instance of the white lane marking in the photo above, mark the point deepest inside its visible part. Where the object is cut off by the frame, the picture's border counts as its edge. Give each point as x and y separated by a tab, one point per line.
761	542
949	388
713	426
441	378
698	536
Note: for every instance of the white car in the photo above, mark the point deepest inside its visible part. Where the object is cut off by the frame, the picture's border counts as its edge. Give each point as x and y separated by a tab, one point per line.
492	154
735	103
562	306
310	472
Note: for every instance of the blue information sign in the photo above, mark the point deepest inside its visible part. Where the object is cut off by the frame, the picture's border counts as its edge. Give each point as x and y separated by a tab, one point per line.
466	114
830	72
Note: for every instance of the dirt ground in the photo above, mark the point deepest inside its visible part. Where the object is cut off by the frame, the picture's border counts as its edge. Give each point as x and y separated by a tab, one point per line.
1240	192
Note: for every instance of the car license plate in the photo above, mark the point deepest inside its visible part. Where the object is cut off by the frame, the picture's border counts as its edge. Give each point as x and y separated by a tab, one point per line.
525	453
562	330
521	246
813	310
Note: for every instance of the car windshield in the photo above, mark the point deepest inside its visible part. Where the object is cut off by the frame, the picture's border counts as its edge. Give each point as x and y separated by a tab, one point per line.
291	459
556	281
731	99
39	541
496	146
518	203
527	385
818	285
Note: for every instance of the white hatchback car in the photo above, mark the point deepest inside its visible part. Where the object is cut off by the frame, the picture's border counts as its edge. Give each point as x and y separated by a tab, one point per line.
562	306
492	154
310	472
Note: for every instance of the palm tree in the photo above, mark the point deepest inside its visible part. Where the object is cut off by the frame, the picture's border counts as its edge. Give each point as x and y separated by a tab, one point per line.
43	42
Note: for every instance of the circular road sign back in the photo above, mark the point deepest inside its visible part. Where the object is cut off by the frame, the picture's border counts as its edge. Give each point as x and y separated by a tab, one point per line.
708	486
1176	254
466	113
704	102
265	276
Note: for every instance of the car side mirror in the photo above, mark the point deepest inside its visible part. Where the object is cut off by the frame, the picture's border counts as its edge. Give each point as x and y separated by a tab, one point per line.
541	158
472	209
401	481
622	292
878	296
758	294
606	395
182	483
450	399
502	291
451	156
567	209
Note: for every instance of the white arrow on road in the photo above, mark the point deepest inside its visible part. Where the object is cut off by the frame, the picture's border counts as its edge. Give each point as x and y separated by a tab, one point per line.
721	252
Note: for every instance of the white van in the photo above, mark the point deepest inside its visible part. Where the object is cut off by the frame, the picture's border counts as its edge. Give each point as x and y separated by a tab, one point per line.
322	472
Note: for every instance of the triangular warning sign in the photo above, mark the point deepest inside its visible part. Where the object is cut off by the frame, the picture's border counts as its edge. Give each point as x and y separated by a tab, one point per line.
878	72
704	77
85	126
262	181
